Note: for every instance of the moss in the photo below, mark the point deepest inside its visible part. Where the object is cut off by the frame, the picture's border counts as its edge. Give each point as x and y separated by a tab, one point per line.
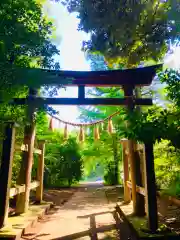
140	225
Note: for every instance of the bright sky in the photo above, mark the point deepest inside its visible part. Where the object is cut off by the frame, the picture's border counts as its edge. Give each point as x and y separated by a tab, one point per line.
69	42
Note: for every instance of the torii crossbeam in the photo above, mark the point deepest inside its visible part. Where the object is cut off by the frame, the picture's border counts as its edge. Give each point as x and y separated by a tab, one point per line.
128	79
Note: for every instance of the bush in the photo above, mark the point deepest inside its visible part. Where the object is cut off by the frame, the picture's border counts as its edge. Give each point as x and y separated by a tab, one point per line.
110	175
167	168
63	163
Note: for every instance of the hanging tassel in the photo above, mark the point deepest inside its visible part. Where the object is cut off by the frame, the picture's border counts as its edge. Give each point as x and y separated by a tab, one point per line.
110	126
96	133
65	131
51	124
81	134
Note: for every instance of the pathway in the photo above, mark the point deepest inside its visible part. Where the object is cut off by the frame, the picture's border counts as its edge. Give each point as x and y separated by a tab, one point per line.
88	209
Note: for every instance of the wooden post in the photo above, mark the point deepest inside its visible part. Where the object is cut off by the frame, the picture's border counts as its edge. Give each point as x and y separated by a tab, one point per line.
150	188
81	91
128	92
6	171
127	195
93	233
22	203
140	211
134	165
40	173
143	159
133	174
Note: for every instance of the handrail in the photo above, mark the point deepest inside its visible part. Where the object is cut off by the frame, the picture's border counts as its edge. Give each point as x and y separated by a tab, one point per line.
141	190
24	148
21	188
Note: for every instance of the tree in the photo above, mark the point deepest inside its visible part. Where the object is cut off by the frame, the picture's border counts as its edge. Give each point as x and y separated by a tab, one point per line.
63	160
172	79
25	42
97	62
128	32
167	167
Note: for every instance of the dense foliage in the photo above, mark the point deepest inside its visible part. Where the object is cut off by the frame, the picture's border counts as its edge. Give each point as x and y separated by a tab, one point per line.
63	162
128	32
167	165
25	41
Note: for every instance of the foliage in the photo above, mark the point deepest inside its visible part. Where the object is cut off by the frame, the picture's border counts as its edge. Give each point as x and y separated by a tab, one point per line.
128	32
98	154
25	42
167	166
172	79
63	161
97	62
155	124
110	174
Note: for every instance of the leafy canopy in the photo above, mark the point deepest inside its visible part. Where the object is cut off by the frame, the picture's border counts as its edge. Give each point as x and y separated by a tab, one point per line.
128	32
24	42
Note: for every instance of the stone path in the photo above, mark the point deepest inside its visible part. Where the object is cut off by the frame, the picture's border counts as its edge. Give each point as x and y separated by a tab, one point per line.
87	209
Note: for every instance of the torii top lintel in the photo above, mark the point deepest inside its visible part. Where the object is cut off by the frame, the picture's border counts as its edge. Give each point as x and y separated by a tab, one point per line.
136	77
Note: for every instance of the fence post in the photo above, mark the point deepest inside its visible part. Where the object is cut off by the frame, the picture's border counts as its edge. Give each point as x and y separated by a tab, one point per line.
127	195
150	188
133	174
128	92
40	172
140	208
6	171
143	170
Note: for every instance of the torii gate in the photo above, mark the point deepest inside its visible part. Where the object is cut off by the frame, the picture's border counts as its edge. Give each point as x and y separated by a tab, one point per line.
128	79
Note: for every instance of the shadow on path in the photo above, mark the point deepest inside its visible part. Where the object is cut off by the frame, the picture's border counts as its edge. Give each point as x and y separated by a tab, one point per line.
89	214
121	229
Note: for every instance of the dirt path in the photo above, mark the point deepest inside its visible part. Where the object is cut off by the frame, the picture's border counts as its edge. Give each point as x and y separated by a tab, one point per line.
88	208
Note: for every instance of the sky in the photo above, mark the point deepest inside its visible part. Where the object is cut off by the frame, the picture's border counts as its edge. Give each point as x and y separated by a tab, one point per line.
69	41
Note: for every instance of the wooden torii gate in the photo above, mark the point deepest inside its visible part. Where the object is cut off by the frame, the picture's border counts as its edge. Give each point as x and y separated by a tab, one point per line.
127	79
